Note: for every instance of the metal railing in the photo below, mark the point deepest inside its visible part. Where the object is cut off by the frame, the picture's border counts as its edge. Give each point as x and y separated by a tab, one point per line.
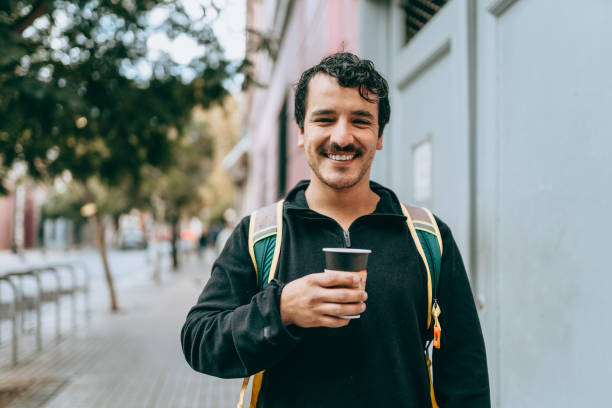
32	287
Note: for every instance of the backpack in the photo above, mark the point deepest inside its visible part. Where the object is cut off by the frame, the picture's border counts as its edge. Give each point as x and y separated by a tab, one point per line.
265	239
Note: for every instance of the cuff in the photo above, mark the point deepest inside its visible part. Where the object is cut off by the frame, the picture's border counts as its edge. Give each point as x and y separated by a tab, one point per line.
275	332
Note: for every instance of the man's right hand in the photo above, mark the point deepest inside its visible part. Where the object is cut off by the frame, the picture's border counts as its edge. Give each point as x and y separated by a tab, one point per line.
316	300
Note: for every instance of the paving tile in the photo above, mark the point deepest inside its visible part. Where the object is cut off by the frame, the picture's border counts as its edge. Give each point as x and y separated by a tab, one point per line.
129	359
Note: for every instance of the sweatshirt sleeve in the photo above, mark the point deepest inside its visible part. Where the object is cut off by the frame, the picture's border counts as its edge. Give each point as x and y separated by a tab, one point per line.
460	364
235	330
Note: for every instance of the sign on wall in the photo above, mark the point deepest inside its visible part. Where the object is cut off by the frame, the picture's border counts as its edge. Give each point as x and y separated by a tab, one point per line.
421	171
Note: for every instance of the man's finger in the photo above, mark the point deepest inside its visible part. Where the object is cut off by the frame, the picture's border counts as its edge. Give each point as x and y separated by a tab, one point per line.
343	295
333	322
336	278
340	309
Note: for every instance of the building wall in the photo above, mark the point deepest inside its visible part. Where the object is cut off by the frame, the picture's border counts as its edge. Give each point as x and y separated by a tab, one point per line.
314	28
514	97
32	219
552	98
7	221
20	219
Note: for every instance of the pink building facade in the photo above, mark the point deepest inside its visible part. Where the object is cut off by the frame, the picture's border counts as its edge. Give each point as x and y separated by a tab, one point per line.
7	221
306	32
20	217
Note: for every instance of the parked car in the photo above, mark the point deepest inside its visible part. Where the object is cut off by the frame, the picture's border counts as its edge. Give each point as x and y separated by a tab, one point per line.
133	239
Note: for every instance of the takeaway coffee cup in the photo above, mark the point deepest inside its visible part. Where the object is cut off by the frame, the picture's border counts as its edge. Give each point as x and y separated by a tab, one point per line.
348	260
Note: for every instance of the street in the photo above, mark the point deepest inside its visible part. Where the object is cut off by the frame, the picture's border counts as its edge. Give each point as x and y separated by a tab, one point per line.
128	359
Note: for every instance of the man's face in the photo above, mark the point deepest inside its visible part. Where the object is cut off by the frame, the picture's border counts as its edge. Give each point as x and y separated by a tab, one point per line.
340	134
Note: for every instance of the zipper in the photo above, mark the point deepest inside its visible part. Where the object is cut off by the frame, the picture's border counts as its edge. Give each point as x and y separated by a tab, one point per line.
313	215
347	238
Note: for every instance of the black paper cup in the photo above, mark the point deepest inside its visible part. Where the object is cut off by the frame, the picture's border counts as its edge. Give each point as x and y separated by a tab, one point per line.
348	260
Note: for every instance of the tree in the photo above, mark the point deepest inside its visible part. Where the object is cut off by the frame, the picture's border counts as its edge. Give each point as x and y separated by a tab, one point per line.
176	189
79	90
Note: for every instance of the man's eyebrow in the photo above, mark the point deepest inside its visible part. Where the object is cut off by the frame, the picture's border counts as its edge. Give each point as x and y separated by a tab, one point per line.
322	112
365	114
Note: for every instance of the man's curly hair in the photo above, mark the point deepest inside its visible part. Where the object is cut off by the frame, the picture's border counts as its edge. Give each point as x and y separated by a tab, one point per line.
350	71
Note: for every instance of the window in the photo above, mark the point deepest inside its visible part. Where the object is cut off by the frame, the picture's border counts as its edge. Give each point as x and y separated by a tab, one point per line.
418	13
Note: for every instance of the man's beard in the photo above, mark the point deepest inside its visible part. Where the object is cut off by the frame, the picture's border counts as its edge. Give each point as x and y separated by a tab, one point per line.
344	183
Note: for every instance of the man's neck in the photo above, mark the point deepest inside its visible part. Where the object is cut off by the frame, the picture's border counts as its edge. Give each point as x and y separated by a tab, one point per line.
344	205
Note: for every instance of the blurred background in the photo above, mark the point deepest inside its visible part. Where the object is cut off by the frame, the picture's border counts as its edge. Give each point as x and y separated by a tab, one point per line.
134	135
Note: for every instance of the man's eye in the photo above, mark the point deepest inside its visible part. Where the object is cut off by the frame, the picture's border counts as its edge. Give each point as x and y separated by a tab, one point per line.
323	120
361	122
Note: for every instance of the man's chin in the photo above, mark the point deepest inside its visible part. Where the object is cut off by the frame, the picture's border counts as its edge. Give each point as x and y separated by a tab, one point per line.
340	184
339	178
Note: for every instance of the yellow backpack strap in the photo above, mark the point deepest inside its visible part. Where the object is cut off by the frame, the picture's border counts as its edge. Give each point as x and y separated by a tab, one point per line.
421	220
245	384
409	213
257	380
434	403
265	238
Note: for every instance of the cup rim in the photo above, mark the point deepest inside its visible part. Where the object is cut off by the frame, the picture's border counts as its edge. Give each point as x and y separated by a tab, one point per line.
348	250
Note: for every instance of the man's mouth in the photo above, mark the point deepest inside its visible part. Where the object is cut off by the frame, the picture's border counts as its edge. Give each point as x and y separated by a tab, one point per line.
341	156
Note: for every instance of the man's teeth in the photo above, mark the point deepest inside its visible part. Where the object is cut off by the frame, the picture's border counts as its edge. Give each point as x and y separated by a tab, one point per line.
341	157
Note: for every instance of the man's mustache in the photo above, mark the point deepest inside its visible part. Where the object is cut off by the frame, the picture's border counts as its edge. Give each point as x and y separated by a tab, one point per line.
335	149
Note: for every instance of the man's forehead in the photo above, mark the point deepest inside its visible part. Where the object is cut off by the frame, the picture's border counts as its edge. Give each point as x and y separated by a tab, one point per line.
324	83
321	79
326	93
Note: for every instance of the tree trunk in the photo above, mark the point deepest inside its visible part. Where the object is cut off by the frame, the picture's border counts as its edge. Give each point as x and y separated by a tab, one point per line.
99	231
157	262
99	234
155	244
175	260
159	207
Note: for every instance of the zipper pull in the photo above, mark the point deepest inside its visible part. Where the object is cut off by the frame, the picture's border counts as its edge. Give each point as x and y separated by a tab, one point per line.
347	238
435	311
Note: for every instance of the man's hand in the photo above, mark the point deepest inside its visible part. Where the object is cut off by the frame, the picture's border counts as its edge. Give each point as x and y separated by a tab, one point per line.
316	300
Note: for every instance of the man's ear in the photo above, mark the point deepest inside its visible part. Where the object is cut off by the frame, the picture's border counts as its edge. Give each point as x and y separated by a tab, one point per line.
300	137
379	143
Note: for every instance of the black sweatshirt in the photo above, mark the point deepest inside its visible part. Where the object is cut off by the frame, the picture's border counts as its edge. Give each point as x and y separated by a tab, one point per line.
377	360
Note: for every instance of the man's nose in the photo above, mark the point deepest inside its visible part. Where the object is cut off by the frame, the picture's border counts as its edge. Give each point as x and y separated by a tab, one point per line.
341	134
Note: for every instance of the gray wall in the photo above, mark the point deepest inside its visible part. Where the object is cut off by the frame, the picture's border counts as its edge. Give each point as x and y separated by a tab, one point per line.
516	98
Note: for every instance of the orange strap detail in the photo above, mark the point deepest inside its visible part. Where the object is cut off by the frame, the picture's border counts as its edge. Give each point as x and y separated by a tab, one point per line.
437	328
436	339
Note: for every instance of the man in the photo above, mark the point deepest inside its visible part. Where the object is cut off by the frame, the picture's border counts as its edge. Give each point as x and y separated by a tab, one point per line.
291	329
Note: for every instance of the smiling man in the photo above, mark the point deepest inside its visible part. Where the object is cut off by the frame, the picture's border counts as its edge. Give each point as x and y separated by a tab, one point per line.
293	327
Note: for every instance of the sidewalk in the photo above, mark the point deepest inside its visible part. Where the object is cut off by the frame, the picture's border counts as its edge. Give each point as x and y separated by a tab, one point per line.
130	359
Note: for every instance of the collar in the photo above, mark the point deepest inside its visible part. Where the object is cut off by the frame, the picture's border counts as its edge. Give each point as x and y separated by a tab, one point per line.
387	205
